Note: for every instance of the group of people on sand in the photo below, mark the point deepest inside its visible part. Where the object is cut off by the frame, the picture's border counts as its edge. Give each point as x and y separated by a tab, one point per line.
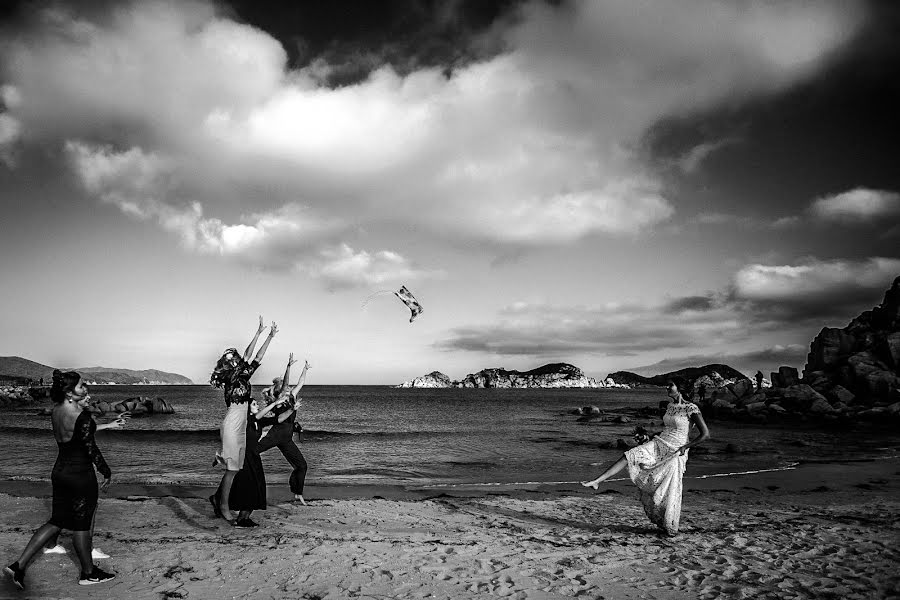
251	427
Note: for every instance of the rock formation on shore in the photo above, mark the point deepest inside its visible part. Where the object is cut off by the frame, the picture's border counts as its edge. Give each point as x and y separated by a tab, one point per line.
716	371
555	375
851	373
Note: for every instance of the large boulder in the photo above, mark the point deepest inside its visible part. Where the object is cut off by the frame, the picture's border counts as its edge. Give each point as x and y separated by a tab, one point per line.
821	407
160	406
840	394
742	387
799	398
828	349
785	377
890	349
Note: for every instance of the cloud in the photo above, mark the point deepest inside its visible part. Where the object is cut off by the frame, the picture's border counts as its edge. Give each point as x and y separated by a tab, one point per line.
10	127
533	144
145	187
690	304
812	290
342	267
859	205
690	161
613	330
777	300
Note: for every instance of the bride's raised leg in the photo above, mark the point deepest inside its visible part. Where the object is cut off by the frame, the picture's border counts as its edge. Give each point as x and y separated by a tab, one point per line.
612	470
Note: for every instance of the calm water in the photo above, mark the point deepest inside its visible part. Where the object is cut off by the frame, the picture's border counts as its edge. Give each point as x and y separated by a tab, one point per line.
411	437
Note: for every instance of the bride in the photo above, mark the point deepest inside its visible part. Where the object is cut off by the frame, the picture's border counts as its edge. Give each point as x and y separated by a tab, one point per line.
656	467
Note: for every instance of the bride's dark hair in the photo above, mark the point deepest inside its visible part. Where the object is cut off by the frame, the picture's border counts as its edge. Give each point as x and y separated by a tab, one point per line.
683	386
63	382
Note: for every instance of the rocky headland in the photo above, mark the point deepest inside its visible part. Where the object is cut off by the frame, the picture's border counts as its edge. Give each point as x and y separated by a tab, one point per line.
554	375
718	371
851	374
21	370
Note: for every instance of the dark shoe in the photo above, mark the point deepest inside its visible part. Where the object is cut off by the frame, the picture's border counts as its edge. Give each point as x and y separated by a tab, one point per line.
17	573
98	576
246	522
215	504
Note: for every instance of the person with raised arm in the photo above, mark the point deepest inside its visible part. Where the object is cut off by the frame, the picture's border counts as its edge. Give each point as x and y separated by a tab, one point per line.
278	429
53	546
75	491
232	373
657	466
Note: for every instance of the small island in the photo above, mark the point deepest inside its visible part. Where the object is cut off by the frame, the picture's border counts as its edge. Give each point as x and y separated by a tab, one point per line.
553	375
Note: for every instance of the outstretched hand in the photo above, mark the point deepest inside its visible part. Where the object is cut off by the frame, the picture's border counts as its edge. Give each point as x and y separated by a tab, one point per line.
291	359
306	365
261	326
272	330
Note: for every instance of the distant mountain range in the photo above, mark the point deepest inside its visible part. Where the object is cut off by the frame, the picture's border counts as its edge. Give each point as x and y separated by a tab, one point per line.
690	374
18	368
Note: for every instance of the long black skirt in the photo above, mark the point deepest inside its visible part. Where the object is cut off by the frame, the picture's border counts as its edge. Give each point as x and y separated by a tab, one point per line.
248	492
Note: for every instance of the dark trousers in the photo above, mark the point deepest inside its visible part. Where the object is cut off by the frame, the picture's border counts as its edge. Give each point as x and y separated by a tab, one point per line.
284	442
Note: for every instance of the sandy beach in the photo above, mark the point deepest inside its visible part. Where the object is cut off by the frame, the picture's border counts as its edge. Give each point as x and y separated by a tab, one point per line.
822	530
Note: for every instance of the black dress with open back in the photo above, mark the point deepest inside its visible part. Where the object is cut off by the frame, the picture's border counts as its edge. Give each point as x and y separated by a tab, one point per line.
74	482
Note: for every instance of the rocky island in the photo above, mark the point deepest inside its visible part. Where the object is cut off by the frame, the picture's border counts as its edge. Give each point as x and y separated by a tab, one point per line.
554	375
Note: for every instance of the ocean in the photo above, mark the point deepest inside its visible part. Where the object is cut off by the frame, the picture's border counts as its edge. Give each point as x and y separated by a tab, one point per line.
379	435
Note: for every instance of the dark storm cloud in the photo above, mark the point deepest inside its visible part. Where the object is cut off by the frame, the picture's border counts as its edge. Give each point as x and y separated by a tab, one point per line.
831	292
617	330
689	303
776	300
356	38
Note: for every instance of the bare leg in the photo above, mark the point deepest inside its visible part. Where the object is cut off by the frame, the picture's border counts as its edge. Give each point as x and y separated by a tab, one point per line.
83	542
37	541
224	492
612	470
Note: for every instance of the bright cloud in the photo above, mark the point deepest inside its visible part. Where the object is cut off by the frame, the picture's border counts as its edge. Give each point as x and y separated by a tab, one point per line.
342	266
143	186
858	205
814	289
533	145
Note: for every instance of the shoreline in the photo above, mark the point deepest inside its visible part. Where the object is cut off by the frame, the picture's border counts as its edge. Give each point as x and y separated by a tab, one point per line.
791	478
824	529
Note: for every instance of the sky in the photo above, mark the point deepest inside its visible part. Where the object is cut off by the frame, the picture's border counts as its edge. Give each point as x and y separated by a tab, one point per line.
618	184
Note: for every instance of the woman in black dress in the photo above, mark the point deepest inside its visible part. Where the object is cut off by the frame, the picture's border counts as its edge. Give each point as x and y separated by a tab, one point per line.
248	492
74	481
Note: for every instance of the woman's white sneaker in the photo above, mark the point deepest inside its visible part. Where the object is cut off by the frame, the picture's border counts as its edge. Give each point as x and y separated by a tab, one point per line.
98	554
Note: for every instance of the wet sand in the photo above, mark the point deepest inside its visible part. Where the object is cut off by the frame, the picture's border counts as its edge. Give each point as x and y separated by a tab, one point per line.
821	530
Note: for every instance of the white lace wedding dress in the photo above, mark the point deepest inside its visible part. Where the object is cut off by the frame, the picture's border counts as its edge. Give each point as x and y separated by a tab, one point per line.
657	468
